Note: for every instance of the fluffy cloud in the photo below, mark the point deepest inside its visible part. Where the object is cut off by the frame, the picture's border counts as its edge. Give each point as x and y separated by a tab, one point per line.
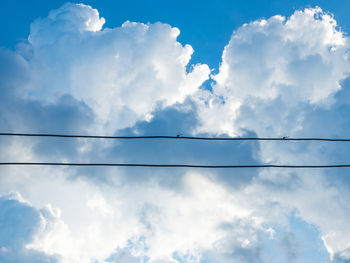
72	75
149	220
122	73
281	64
276	76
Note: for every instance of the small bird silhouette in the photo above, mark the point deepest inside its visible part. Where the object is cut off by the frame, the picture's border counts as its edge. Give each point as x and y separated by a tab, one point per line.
178	134
285	137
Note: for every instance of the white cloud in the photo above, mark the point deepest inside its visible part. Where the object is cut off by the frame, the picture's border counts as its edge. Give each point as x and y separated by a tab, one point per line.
274	74
147	219
122	73
69	19
278	63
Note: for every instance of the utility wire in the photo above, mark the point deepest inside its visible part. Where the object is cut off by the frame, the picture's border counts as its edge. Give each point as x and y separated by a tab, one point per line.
177	165
176	137
173	165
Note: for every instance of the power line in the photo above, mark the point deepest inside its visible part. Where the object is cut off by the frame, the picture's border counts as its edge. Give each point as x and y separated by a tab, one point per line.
176	137
175	165
172	165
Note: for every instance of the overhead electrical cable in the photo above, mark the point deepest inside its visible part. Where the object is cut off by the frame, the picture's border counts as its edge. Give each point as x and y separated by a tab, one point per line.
178	137
176	165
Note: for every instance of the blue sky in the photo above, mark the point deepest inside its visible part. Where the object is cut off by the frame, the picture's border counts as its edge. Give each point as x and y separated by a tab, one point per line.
206	25
233	68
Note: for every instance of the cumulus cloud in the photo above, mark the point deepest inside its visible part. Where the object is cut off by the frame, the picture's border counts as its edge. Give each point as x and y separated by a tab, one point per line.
277	75
147	220
122	73
281	63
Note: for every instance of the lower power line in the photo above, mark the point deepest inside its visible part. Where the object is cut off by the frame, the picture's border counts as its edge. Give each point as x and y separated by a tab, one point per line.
179	137
175	165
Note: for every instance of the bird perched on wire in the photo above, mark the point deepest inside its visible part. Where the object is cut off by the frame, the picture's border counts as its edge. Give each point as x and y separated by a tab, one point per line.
179	134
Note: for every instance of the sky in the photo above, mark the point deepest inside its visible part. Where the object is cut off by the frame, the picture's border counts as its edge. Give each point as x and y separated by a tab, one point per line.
195	68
